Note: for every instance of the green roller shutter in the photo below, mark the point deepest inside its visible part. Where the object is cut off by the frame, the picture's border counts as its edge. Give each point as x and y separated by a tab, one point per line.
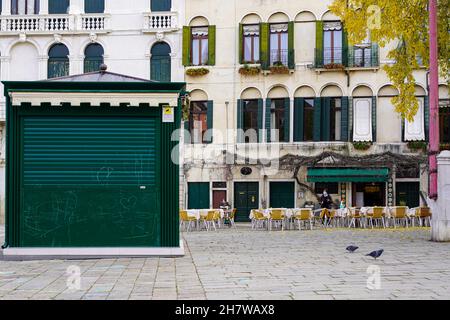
264	46
90	181
291	46
58	6
241	43
426	108
319	44
374	119
317	119
186	46
210	121
325	135
344	119
94	6
260	119
240	121
198	195
347	175
287	119
211	45
268	113
298	119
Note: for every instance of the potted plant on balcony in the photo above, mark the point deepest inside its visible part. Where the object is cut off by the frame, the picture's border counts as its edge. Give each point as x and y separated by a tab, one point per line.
279	68
247	70
334	66
362	145
197	72
417	145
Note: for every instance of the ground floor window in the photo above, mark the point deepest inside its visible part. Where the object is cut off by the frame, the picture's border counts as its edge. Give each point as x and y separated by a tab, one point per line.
407	194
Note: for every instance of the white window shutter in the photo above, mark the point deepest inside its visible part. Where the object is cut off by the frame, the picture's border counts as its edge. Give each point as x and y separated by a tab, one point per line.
415	130
362	119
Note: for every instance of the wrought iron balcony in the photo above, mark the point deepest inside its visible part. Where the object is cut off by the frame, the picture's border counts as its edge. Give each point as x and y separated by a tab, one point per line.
342	58
279	58
48	24
160	22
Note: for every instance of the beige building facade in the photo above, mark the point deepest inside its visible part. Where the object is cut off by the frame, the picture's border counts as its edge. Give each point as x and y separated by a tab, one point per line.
285	70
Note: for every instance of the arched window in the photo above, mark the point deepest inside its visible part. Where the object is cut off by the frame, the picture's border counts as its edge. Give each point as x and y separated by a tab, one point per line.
160	62
24	7
161	5
94	6
58	6
58	61
93	57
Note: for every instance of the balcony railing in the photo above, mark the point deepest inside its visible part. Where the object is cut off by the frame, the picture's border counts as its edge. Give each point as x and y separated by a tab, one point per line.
279	57
160	21
64	23
2	111
340	58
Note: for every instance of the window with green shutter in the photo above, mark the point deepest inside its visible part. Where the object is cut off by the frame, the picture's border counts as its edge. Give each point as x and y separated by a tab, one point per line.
249	120
317	119
267	118
58	6
94	6
211	45
209	121
264	46
187	45
344	119
374	119
249	43
279	120
298	119
291	49
198	122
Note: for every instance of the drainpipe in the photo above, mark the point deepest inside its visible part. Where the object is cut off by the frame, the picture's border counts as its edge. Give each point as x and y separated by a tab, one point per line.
434	101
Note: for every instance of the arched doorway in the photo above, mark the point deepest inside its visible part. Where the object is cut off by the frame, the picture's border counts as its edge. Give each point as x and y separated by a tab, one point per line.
160	66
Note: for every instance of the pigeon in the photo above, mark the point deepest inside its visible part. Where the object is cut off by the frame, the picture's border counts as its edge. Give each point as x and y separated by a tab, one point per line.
375	254
351	248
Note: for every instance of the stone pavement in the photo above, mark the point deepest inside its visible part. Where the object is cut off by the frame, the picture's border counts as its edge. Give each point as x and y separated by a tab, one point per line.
247	264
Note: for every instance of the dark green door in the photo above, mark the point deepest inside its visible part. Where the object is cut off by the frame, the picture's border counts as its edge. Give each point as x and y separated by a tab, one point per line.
198	195
90	181
407	194
160	65
282	194
246	198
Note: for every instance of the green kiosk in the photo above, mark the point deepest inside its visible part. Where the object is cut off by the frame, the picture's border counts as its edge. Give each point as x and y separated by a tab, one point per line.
89	170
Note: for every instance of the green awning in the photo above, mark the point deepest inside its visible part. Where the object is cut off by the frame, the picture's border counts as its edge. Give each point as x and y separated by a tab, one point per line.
347	175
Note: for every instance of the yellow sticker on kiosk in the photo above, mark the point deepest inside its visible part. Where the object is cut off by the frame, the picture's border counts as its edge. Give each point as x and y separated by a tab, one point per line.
168	114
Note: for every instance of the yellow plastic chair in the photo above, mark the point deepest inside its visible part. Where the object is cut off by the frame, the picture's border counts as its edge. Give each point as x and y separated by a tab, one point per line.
208	220
259	219
277	217
355	215
303	216
217	218
232	216
185	218
331	217
377	216
423	214
322	218
400	215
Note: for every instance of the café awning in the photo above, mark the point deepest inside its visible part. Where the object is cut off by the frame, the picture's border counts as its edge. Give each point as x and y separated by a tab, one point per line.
347	175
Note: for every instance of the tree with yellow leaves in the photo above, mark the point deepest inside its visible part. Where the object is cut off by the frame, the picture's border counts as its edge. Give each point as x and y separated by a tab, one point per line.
403	21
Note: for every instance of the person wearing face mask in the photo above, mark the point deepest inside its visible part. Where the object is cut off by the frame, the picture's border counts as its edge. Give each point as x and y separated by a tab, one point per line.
325	200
